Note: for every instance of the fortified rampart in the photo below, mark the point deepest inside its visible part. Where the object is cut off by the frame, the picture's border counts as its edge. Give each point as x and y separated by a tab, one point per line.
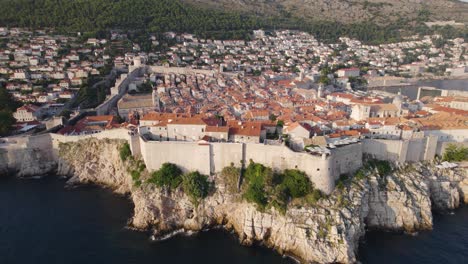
318	168
16	151
401	151
211	158
180	70
121	86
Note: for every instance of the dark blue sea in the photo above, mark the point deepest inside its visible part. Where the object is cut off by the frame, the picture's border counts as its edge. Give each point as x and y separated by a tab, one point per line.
43	222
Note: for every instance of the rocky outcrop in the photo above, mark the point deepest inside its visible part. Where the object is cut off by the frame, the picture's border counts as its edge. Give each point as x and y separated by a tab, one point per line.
94	161
26	162
399	201
325	232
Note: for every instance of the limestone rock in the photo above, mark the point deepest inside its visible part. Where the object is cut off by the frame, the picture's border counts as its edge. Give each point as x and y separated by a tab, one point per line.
327	232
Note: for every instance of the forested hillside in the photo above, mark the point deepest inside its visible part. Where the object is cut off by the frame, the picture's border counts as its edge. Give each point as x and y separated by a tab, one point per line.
174	15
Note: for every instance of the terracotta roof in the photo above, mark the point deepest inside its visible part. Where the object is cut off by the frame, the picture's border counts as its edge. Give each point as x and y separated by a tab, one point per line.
218	129
91	123
29	108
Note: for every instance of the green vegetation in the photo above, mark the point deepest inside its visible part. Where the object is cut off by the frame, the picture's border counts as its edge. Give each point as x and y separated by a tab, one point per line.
230	175
267	189
145	87
360	174
94	17
6	122
136	169
313	197
66	113
257	177
89	97
455	153
196	186
382	166
296	183
125	151
7	106
169	176
136	177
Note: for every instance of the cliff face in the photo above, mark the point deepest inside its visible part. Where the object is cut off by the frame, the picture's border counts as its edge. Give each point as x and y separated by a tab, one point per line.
94	161
26	162
326	232
400	201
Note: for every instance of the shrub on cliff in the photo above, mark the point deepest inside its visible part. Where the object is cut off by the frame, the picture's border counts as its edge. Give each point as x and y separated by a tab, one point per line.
313	197
230	176
296	183
125	152
196	186
382	166
258	179
455	153
136	177
265	188
169	175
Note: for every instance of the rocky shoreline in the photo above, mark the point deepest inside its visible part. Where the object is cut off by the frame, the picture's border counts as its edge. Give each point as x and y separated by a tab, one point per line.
326	232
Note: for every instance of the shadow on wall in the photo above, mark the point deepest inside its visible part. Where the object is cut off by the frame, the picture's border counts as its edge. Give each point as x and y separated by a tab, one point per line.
383	149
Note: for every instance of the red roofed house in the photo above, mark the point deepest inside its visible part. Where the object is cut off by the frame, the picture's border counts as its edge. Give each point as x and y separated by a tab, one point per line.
258	115
350	72
91	125
27	113
246	132
298	130
182	127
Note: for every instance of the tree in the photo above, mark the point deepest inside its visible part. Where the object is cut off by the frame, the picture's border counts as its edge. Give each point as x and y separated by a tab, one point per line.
6	122
66	113
296	183
324	80
272	118
7	102
169	175
258	178
7	106
196	186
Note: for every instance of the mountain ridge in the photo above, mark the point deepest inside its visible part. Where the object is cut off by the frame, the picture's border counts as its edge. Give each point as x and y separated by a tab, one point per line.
346	11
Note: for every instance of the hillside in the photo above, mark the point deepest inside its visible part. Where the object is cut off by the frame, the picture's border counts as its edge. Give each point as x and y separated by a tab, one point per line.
372	21
346	11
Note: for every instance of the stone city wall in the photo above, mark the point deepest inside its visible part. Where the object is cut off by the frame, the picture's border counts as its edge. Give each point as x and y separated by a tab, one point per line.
189	156
412	150
180	70
211	158
318	168
346	159
106	106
